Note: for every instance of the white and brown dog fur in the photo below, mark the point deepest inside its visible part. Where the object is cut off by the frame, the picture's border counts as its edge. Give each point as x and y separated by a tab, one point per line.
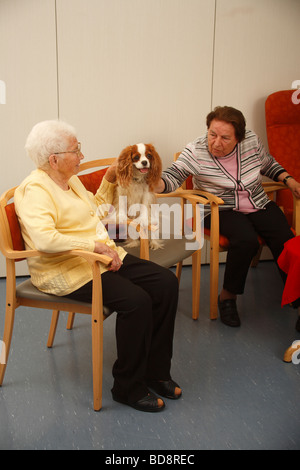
138	170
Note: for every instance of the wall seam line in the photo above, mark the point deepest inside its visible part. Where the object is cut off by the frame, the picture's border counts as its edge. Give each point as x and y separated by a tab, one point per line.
56	46
213	57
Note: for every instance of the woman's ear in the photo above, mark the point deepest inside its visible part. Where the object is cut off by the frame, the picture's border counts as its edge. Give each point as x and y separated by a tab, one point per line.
53	161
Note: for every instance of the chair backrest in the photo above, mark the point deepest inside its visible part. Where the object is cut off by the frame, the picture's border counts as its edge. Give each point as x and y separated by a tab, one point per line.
92	180
14	226
10	230
283	133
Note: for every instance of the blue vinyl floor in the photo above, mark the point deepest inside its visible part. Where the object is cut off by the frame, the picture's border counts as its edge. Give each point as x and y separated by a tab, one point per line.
237	391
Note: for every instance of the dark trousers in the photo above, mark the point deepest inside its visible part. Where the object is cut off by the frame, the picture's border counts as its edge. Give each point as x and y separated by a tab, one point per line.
145	297
242	231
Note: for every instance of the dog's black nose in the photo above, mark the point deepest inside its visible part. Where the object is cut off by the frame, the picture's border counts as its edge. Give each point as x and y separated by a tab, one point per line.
144	162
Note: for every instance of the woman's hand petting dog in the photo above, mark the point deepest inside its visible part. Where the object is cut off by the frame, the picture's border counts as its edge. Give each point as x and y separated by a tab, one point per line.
110	174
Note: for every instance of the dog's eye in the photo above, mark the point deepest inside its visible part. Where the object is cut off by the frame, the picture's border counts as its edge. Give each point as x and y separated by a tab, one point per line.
149	156
135	158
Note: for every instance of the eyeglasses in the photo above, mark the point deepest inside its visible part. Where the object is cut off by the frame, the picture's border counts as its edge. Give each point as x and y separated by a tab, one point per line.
78	151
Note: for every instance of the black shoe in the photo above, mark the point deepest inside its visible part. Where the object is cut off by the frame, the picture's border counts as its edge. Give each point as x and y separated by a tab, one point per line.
228	312
165	388
297	326
149	403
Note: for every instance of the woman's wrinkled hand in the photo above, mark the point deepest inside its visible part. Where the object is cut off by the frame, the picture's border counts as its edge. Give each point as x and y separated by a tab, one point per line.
294	186
103	249
110	174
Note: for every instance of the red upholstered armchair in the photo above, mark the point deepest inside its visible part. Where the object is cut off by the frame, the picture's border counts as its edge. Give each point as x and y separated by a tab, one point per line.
283	132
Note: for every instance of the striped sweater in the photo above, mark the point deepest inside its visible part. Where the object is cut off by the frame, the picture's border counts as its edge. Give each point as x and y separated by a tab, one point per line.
253	161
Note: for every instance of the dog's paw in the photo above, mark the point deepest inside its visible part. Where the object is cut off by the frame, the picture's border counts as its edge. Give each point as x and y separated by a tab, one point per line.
156	244
131	243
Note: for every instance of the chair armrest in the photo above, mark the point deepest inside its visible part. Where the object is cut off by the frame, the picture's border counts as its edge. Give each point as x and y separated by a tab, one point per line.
131	222
270	186
89	256
203	197
296	215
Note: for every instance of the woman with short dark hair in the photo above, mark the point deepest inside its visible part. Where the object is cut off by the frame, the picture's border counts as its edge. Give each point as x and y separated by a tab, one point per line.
229	161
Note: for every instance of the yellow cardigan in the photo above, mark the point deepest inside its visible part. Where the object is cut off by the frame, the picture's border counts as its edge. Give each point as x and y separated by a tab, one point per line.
53	220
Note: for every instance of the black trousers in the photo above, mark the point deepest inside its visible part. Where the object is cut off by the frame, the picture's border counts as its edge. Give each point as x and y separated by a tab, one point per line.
145	297
242	231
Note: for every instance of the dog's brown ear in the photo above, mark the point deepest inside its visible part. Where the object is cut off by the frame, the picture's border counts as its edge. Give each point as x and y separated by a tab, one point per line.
156	166
124	166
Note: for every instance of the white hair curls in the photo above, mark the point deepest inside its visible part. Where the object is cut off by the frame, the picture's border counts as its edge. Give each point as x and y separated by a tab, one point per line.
46	138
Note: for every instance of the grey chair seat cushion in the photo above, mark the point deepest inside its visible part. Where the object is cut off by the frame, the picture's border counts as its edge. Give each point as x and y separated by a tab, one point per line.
28	291
173	251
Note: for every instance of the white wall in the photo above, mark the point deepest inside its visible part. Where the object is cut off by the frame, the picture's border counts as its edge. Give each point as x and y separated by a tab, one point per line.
255	54
141	71
28	68
123	71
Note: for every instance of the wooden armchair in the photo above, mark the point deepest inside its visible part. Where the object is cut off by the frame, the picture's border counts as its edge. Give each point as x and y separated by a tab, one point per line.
283	133
175	249
25	294
219	243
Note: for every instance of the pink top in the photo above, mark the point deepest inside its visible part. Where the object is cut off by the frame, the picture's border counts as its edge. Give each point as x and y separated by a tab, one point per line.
229	163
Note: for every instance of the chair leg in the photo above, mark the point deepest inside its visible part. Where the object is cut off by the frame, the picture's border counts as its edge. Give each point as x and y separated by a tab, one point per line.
71	319
214	283
97	353
214	261
53	325
178	271
196	267
7	336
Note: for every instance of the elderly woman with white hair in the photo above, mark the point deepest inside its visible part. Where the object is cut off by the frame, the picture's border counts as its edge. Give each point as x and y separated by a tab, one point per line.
58	214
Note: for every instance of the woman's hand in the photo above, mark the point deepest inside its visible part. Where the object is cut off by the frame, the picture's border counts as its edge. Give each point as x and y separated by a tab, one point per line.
159	187
294	186
110	174
103	249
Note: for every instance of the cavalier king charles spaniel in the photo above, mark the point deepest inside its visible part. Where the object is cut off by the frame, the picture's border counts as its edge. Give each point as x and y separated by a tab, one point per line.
138	170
